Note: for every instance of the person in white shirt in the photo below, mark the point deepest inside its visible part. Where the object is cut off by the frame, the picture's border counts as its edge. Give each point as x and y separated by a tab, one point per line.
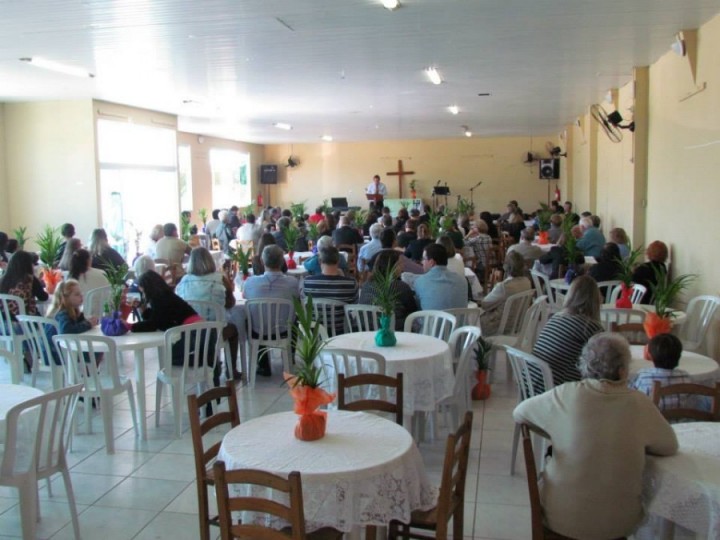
250	231
376	187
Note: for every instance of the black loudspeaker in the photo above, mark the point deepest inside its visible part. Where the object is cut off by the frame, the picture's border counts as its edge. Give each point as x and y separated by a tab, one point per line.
268	174
550	169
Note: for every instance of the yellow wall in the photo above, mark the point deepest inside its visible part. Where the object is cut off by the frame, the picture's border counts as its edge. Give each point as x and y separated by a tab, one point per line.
50	165
4	192
345	169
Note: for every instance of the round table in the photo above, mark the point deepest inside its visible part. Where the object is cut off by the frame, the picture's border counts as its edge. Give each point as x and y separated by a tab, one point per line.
702	369
424	361
366	470
11	395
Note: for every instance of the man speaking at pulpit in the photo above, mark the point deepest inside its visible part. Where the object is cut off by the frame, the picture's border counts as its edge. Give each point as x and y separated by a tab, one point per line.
376	192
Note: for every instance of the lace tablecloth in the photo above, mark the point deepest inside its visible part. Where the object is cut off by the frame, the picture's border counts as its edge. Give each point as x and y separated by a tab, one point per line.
685	488
365	471
702	369
424	361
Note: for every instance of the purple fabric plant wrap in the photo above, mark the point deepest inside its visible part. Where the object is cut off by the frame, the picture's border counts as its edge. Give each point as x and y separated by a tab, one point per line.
113	326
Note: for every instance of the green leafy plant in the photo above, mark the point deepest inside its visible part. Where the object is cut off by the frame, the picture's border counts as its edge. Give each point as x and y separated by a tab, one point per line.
203	215
570	241
360	217
298	209
628	265
386	294
413	184
185	226
665	290
116	276
482	354
464	206
404	204
291	235
48	241
313	232
543	217
308	345
325	207
434	223
19	234
243	258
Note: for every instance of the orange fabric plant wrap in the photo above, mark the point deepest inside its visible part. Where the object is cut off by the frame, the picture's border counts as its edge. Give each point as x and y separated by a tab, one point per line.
311	424
51	277
655	325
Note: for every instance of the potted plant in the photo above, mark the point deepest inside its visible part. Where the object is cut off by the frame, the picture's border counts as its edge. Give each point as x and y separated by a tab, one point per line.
298	210
20	237
434	224
543	219
625	276
313	234
481	390
49	241
291	235
464	206
116	309
665	292
385	298
413	191
305	384
185	226
203	216
242	259
360	217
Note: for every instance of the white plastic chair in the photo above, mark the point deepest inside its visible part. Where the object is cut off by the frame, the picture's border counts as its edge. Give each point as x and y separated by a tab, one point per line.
700	312
541	282
200	342
269	324
212	311
466	316
435	323
533	377
635	297
363	318
330	313
94	301
608	286
103	380
36	436
348	362
464	340
42	349
11	338
610	317
16	365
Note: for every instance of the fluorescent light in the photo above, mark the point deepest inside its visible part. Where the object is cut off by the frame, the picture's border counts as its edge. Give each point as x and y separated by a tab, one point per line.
433	75
390	4
454	109
327	138
282	125
57	67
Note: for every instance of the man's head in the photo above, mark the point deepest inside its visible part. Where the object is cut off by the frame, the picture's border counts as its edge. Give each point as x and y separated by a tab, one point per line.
170	229
376	179
273	257
665	351
411	225
234	210
567	206
528	234
67	230
586	223
387	238
224	216
434	255
329	259
251	218
375	231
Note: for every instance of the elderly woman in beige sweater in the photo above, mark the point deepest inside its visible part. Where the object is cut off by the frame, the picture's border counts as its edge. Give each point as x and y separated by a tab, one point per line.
600	431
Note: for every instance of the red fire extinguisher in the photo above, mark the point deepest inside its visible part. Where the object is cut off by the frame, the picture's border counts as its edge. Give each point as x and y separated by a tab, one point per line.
260	200
558	197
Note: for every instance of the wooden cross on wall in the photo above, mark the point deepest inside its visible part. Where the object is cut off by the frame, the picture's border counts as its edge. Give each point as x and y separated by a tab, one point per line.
400	173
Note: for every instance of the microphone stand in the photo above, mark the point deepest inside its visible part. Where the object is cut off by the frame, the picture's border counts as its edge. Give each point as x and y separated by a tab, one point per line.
472	203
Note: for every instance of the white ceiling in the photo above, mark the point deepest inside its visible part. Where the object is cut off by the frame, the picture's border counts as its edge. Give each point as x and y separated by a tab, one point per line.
348	68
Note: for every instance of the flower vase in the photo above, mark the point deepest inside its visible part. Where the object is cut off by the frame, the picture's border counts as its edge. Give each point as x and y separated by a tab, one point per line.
51	278
291	264
543	238
655	324
481	390
113	325
624	301
312	422
385	337
571	274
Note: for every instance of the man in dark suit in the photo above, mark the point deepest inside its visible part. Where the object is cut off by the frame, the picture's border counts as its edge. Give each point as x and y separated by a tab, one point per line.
345	234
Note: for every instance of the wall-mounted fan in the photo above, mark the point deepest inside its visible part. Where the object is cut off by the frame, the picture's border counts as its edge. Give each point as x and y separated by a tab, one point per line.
554	151
292	162
529	158
610	122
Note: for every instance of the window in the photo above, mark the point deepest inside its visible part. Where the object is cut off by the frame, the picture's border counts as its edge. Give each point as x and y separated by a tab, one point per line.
185	177
230	178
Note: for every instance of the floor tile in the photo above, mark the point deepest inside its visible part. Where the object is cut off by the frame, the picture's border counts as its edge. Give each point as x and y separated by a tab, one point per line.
88	488
142	493
54	516
121	463
502	522
105	523
168	467
171	525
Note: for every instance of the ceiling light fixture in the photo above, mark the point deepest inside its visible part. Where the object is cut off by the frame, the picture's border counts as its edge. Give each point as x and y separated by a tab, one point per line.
391	4
282	125
57	67
454	109
678	44
327	138
433	75
467	131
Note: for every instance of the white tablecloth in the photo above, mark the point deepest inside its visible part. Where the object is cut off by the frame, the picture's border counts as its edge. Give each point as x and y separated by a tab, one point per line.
365	471
11	395
685	488
424	361
702	369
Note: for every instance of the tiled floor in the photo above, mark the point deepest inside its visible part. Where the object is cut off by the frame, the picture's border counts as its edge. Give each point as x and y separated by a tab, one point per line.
146	489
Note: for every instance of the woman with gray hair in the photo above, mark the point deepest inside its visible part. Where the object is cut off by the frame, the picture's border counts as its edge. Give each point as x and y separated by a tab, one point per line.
515	282
561	340
600	431
312	265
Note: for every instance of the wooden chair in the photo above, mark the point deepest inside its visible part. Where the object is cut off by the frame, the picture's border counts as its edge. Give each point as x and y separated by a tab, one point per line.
351	250
204	476
539	530
686	411
294	513
384	382
451	498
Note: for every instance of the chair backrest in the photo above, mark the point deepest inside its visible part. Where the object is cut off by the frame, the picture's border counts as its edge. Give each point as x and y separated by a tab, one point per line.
435	323
330	313
220	419
454	472
636	296
513	312
10	307
533	321
700	313
466	316
78	353
269	318
464	340
250	500
351	250
541	282
607	288
532	376
536	515
94	301
16	365
200	343
349	362
39	332
37	433
615	316
681	395
384	383
363	318
210	311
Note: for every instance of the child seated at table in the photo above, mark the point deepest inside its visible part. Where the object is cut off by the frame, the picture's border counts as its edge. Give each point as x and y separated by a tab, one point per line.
665	351
66	310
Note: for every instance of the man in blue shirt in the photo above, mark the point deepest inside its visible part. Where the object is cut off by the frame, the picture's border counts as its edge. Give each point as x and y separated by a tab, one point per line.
592	241
440	288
